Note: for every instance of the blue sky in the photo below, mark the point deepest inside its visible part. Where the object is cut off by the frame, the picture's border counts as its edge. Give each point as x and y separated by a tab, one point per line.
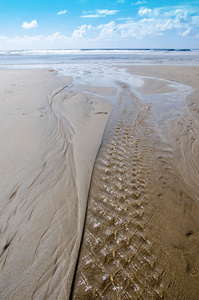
42	24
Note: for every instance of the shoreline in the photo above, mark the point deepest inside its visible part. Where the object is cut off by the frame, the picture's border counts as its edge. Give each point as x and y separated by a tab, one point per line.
55	128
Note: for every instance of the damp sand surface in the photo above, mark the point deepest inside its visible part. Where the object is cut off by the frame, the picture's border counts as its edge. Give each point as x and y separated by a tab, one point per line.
140	234
49	136
142	225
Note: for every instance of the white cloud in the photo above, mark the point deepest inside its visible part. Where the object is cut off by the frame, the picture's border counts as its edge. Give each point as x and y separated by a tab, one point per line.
145	27
91	16
62	12
3	38
188	32
55	40
139	2
124	19
22	40
182	15
120	1
107	12
81	31
57	36
148	12
144	11
99	13
30	25
195	19
107	30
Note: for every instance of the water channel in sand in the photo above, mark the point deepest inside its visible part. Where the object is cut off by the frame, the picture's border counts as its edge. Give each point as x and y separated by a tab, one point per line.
139	239
94	77
165	97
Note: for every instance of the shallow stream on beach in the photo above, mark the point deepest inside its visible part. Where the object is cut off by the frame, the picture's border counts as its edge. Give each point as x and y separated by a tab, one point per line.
165	97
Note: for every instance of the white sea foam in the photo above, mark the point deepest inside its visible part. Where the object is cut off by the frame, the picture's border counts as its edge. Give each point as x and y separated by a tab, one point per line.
136	56
100	51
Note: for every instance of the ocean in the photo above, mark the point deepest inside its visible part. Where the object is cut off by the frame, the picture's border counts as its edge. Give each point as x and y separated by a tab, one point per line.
135	56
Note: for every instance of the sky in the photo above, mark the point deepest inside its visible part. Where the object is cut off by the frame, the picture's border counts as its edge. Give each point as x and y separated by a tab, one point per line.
71	24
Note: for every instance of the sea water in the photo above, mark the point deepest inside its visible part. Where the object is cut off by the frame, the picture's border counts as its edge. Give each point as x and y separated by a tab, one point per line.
135	56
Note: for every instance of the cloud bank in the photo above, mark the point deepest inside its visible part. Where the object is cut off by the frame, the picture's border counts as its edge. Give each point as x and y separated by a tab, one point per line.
147	24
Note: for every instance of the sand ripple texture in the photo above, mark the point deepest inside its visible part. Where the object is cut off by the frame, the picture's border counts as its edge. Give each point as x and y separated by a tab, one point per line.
43	192
141	232
33	210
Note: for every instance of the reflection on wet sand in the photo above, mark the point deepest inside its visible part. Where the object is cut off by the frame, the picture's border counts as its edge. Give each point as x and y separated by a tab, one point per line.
141	232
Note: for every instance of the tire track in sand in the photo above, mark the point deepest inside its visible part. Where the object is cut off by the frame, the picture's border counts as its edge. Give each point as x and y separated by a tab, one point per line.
133	247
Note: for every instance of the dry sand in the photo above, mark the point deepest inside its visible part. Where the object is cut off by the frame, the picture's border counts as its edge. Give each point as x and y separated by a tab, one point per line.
141	233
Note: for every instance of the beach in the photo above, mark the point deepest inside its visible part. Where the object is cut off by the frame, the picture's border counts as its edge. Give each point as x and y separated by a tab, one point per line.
99	182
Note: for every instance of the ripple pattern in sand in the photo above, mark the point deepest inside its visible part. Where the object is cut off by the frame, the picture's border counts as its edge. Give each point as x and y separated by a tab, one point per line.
124	255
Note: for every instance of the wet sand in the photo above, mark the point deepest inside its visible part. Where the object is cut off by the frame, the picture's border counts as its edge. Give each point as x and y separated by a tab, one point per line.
183	130
141	233
47	150
141	230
